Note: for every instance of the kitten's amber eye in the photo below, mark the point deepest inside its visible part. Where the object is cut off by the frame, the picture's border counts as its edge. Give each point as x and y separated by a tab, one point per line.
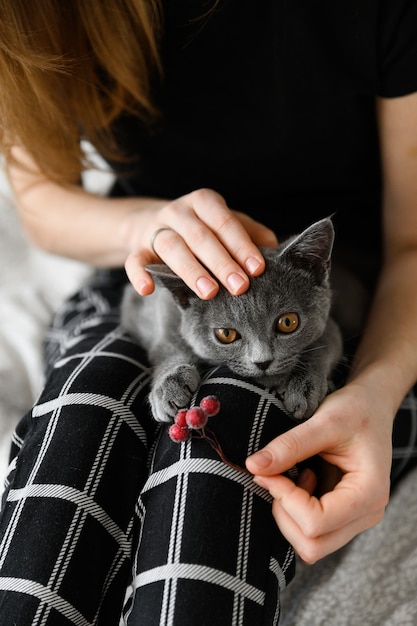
288	323
226	335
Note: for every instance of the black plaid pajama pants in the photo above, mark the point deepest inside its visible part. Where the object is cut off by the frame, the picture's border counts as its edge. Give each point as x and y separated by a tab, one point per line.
105	520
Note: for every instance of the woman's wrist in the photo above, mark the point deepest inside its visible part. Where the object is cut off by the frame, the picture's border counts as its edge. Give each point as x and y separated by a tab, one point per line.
383	380
132	224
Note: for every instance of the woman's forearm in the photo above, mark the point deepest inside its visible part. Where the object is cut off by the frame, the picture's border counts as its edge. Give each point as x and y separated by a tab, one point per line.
72	222
202	240
387	356
68	220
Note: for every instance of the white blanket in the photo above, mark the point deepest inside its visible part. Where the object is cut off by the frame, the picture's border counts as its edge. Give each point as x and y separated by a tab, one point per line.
371	582
32	285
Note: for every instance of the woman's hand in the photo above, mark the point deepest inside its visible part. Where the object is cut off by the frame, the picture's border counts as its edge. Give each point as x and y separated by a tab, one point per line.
351	430
197	235
201	240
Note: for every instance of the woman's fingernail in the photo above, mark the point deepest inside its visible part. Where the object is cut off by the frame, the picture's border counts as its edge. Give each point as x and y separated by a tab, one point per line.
253	265
305	477
263	458
235	282
307	480
143	287
206	287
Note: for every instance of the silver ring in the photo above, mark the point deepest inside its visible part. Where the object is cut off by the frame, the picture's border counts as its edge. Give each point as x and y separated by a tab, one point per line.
155	235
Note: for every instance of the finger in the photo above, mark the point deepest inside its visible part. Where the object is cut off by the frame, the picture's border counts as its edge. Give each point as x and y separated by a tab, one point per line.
307	480
259	234
200	281
213	211
311	549
301	442
172	249
137	274
347	503
215	236
192	248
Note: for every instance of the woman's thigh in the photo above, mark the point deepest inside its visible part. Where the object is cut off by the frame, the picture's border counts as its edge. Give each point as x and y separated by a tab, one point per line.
79	460
210	551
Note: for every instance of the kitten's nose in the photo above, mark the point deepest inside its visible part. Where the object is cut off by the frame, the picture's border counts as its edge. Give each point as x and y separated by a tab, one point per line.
263	365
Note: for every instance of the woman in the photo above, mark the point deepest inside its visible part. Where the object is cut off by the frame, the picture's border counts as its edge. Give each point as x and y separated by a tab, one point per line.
225	123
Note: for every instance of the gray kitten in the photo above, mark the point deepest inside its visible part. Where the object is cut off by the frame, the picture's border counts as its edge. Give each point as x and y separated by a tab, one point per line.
279	333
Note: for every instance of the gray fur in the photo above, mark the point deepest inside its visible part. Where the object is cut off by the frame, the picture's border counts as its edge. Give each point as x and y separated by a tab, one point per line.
176	328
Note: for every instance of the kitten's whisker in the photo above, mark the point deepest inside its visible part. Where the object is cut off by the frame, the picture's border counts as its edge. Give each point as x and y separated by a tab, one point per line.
323	346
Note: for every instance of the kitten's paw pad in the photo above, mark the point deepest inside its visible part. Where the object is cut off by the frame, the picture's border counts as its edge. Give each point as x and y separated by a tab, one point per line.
173	391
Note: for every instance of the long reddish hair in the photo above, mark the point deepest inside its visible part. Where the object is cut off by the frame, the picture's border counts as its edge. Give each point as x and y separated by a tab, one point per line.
67	70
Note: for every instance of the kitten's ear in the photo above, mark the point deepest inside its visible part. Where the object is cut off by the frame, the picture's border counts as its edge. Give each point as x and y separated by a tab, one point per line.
163	275
312	249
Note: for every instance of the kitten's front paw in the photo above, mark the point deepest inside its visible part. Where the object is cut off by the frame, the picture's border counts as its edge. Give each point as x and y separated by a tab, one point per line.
302	395
173	391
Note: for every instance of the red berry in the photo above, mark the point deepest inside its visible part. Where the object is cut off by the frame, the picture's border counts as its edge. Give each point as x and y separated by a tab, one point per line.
180	418
178	434
196	417
211	405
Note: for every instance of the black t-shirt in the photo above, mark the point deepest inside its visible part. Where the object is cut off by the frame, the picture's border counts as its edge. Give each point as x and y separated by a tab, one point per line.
272	103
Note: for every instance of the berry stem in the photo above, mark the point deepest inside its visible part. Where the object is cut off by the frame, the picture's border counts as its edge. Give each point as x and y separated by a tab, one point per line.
211	438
